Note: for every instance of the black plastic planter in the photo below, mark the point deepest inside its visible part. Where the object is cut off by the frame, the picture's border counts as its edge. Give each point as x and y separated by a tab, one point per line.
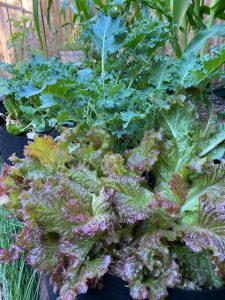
114	289
2	111
180	294
10	144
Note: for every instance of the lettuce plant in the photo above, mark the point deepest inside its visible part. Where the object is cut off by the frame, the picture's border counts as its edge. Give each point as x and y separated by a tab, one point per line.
87	210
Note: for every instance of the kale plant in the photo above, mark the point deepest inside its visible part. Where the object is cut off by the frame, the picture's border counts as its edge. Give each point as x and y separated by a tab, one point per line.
42	94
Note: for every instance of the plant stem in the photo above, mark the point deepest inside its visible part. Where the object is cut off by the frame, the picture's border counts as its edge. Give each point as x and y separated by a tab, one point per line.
23	41
197	11
210	23
184	33
103	74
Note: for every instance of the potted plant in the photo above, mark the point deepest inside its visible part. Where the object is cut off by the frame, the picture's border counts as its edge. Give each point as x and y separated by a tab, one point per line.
88	210
38	99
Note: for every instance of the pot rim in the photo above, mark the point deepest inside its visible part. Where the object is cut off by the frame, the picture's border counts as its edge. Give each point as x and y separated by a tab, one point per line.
22	136
197	291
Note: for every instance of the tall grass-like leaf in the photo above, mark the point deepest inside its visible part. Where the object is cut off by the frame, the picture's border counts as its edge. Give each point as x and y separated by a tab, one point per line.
49	12
37	24
180	8
85	8
202	36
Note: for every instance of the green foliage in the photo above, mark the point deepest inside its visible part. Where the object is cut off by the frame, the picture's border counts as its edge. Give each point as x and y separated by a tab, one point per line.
39	95
126	87
36	23
135	182
19	39
197	267
18	281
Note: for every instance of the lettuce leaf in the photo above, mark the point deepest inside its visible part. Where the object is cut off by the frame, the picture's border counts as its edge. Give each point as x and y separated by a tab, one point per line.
205	231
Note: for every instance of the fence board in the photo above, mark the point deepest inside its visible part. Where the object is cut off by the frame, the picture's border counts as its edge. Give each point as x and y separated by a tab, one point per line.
5	33
14	9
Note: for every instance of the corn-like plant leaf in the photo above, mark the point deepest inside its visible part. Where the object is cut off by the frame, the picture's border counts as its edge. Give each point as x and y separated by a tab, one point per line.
202	36
37	24
180	8
49	12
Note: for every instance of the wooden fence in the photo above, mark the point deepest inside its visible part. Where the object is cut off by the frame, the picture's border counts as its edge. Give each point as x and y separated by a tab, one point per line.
11	10
14	9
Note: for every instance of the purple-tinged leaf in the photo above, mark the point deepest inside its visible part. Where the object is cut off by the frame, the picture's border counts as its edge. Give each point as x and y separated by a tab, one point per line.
102	218
77	277
143	157
207	230
179	188
160	202
130	199
148	267
113	165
